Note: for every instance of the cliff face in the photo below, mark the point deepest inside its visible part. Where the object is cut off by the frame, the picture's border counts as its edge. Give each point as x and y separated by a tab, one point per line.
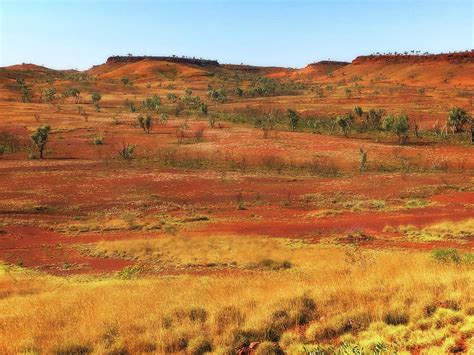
455	58
134	59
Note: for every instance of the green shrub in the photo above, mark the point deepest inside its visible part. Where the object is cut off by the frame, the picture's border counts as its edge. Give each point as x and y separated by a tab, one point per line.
127	152
98	140
129	272
450	255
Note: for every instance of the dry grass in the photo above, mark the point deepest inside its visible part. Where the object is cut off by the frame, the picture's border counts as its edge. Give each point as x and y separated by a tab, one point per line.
389	299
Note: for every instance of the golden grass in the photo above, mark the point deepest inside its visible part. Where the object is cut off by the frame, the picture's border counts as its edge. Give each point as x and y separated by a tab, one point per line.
441	231
166	314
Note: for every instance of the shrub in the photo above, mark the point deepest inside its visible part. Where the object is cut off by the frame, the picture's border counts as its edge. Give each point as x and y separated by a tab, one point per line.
129	272
127	151
212	120
163	118
457	118
98	140
268	348
40	138
50	94
244	337
2	150
72	348
10	142
95	97
358	111
374	118
396	317
198	315
294	312
344	123
145	122
217	95
450	255
152	103
293	119
172	97
270	264
25	90
229	316
199	346
72	92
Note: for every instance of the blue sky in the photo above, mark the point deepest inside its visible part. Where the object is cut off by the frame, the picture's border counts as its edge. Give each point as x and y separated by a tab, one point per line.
79	34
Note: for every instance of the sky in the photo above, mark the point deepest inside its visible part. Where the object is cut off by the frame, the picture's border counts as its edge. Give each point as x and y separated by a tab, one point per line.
290	33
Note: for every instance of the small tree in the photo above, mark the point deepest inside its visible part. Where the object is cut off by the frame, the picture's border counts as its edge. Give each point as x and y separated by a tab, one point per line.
25	91
374	118
40	138
398	124
457	118
95	97
73	92
344	123
293	119
145	122
401	128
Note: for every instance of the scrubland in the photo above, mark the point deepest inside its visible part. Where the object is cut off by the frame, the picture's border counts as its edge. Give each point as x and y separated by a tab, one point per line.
169	205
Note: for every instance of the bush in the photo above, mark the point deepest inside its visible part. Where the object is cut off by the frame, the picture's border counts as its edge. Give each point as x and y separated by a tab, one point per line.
198	315
270	264
446	255
244	337
344	123
72	349
153	103
145	122
294	312
10	142
293	119
127	152
396	317
129	272
457	118
99	140
217	95
199	346
229	316
268	348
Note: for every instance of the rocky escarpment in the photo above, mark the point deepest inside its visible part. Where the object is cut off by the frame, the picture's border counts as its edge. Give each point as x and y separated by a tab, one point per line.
172	59
455	58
